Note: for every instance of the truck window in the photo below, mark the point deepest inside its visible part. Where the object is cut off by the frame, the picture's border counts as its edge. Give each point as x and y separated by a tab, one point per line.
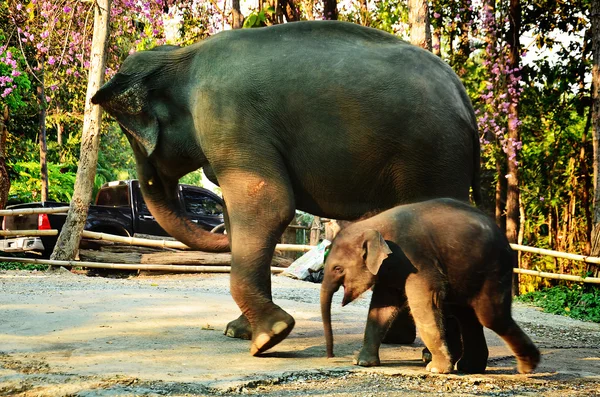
113	196
199	203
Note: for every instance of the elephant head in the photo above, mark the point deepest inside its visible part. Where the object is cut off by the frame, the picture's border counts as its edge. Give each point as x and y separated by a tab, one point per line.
160	130
354	262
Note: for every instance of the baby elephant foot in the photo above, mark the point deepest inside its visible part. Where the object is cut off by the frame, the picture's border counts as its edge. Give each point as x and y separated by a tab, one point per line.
271	330
365	359
526	365
440	367
239	328
471	366
426	355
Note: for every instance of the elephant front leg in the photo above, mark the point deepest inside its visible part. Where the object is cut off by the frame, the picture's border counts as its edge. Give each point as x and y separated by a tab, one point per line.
426	303
386	304
258	211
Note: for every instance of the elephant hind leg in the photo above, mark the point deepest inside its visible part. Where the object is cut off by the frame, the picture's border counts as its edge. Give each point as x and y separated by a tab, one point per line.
474	346
495	314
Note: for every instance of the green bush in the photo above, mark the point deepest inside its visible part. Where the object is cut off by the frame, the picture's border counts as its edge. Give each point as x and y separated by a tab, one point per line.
21	266
580	302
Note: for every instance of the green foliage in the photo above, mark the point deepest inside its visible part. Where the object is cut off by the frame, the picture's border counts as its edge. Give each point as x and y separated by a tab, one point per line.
257	19
193	178
580	302
27	185
390	16
21	266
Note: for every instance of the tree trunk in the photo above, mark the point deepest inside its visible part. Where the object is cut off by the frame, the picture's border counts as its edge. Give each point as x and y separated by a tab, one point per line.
418	20
42	134
514	136
4	178
464	47
237	19
68	240
315	231
585	174
330	9
595	19
309	6
365	19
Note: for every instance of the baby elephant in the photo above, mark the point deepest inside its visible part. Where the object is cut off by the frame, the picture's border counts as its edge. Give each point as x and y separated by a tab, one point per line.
446	259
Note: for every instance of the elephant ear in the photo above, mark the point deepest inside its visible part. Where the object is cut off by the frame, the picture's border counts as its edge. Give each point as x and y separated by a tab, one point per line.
376	250
126	98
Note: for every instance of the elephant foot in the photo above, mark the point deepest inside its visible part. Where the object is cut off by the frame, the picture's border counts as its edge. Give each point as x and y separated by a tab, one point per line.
239	328
471	366
367	360
440	367
526	365
272	331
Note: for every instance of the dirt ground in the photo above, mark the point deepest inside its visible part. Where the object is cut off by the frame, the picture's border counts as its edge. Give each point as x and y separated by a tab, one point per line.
64	334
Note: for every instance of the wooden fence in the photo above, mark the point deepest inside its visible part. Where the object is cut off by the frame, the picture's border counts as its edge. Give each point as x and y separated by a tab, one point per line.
281	247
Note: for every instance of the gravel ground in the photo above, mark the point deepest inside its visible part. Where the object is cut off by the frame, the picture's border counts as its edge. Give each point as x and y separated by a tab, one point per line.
70	335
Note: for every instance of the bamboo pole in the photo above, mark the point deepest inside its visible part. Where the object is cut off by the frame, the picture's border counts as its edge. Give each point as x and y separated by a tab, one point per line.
124	266
29	233
556	276
556	254
31	211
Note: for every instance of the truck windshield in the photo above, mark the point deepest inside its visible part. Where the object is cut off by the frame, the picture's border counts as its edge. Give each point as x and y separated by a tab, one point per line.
113	196
199	203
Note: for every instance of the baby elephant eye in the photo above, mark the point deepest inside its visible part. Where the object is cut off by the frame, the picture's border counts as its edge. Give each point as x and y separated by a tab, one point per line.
338	269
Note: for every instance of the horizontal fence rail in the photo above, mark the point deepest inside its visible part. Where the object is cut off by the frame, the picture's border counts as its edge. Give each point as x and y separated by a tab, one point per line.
558	276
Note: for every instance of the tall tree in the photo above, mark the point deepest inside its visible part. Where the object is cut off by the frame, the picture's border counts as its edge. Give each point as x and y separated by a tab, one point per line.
237	19
68	240
514	136
330	10
595	20
418	20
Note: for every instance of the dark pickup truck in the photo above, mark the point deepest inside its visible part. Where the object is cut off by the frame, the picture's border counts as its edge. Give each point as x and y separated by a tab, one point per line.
119	209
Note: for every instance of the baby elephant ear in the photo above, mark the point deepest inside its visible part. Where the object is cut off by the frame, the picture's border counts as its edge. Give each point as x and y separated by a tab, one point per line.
376	250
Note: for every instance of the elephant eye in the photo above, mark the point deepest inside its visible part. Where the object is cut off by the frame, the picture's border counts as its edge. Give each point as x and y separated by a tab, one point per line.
338	269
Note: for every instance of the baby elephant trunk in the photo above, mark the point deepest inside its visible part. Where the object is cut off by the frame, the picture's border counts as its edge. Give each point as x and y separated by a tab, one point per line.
328	288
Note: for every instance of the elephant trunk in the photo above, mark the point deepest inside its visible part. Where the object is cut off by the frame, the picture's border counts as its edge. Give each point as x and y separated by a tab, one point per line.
162	198
328	288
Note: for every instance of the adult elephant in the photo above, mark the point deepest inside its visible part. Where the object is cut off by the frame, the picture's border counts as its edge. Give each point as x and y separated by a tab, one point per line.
328	117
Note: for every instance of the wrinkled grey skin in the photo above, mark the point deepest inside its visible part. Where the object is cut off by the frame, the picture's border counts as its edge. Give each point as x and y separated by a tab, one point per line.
443	257
328	117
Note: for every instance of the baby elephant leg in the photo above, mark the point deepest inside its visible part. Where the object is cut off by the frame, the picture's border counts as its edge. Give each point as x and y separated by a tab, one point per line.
453	338
402	331
426	307
495	314
475	351
385	306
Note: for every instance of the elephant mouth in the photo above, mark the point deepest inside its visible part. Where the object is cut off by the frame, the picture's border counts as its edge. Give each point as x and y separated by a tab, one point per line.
348	297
